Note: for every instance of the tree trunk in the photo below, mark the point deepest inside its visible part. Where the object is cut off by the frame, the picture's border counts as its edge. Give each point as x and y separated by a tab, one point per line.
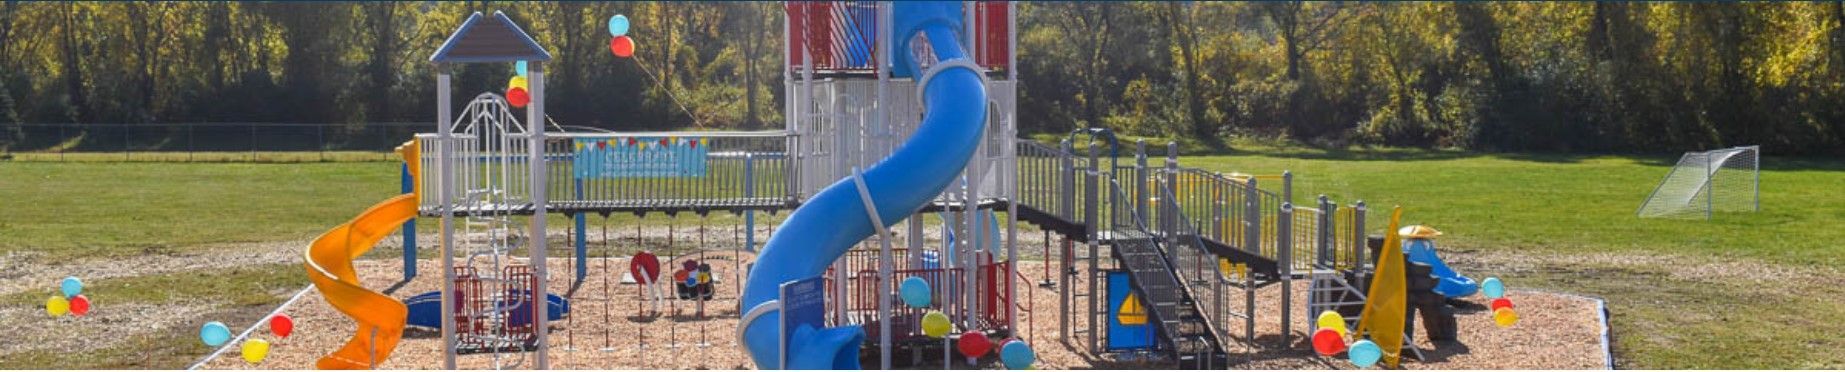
73	65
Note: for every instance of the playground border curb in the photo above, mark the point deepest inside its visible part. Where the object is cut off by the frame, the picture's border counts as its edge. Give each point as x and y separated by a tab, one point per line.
246	331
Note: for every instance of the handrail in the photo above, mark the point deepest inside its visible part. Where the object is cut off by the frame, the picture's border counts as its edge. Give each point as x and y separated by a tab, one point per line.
1168	200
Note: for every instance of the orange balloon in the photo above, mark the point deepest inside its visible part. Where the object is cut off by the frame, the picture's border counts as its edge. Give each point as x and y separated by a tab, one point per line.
622	46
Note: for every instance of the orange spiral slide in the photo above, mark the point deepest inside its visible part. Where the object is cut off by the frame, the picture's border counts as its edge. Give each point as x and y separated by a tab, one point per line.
329	265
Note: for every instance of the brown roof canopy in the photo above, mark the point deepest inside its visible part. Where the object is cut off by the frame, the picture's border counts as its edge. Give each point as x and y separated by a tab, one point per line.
484	39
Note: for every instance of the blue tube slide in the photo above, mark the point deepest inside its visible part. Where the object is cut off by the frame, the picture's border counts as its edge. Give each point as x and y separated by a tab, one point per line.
1449	283
834	220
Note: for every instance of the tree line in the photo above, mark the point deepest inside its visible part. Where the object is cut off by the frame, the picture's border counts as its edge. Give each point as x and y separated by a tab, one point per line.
1511	76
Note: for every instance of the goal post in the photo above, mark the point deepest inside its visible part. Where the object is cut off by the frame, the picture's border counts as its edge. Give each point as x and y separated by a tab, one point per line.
1704	182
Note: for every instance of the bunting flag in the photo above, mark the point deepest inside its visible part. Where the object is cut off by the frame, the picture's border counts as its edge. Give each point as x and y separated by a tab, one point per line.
1388	298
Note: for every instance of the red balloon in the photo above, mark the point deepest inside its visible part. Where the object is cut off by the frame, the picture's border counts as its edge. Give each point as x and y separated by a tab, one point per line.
622	46
1327	342
1501	302
517	97
79	305
282	325
645	267
974	344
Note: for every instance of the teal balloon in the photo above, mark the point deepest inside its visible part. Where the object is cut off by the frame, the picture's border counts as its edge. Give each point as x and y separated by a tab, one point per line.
618	25
215	334
519	68
1493	288
71	286
1017	355
1364	353
914	291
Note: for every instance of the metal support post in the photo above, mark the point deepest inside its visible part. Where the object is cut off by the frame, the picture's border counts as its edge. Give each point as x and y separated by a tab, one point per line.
1284	247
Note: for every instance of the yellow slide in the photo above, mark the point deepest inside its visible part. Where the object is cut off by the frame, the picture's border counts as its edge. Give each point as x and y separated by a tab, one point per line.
329	266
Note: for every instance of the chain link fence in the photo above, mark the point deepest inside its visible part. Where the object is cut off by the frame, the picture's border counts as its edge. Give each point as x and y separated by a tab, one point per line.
222	142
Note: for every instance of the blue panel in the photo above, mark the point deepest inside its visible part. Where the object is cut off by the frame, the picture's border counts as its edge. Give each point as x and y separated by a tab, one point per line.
641	157
1123	337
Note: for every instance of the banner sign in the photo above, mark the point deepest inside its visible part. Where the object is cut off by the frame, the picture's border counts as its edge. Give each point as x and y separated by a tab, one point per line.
803	304
641	157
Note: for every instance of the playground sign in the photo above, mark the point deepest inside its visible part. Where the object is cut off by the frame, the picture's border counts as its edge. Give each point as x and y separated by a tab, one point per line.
803	304
1127	317
641	157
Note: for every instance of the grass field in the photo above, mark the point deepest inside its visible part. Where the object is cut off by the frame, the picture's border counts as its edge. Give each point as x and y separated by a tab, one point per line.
1757	290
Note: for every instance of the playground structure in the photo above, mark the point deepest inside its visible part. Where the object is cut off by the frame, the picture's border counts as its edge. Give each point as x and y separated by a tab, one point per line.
927	140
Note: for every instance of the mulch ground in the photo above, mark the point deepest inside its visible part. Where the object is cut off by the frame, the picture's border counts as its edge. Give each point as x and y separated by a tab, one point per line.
604	332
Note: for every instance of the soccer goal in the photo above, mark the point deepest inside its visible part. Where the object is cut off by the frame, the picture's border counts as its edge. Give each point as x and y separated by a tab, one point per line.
1726	180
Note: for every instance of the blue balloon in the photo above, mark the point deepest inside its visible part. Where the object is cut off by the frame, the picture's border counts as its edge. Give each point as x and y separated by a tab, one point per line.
691	281
914	291
519	68
1364	353
215	334
1493	288
1016	354
618	25
71	286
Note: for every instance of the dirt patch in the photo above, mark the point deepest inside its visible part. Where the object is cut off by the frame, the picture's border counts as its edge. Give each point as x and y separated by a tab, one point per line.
30	272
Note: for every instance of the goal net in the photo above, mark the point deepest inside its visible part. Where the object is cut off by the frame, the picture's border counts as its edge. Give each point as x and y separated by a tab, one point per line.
1725	180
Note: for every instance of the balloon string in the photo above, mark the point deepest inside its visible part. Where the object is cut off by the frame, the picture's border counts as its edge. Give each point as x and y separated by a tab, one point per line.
669	91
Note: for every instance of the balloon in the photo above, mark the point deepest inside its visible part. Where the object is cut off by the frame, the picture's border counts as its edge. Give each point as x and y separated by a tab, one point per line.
622	46
681	275
1505	318
1501	303
282	325
689	265
974	344
57	306
935	324
1493	288
691	281
1332	320
80	305
1364	353
1016	354
71	286
517	97
704	277
214	334
519	68
1328	341
518	82
255	350
914	291
618	25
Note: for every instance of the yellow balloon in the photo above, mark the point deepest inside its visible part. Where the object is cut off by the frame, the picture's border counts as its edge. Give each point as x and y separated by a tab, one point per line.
935	324
57	306
1504	317
1332	319
255	350
517	82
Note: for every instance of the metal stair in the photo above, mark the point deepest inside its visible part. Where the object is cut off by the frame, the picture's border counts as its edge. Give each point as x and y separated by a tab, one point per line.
1183	330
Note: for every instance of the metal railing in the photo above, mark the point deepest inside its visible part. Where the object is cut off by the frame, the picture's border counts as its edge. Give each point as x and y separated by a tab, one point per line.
720	170
1193	262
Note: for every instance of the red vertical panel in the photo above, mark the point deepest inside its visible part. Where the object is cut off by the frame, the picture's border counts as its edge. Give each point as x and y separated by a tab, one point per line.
995	36
820	33
797	27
